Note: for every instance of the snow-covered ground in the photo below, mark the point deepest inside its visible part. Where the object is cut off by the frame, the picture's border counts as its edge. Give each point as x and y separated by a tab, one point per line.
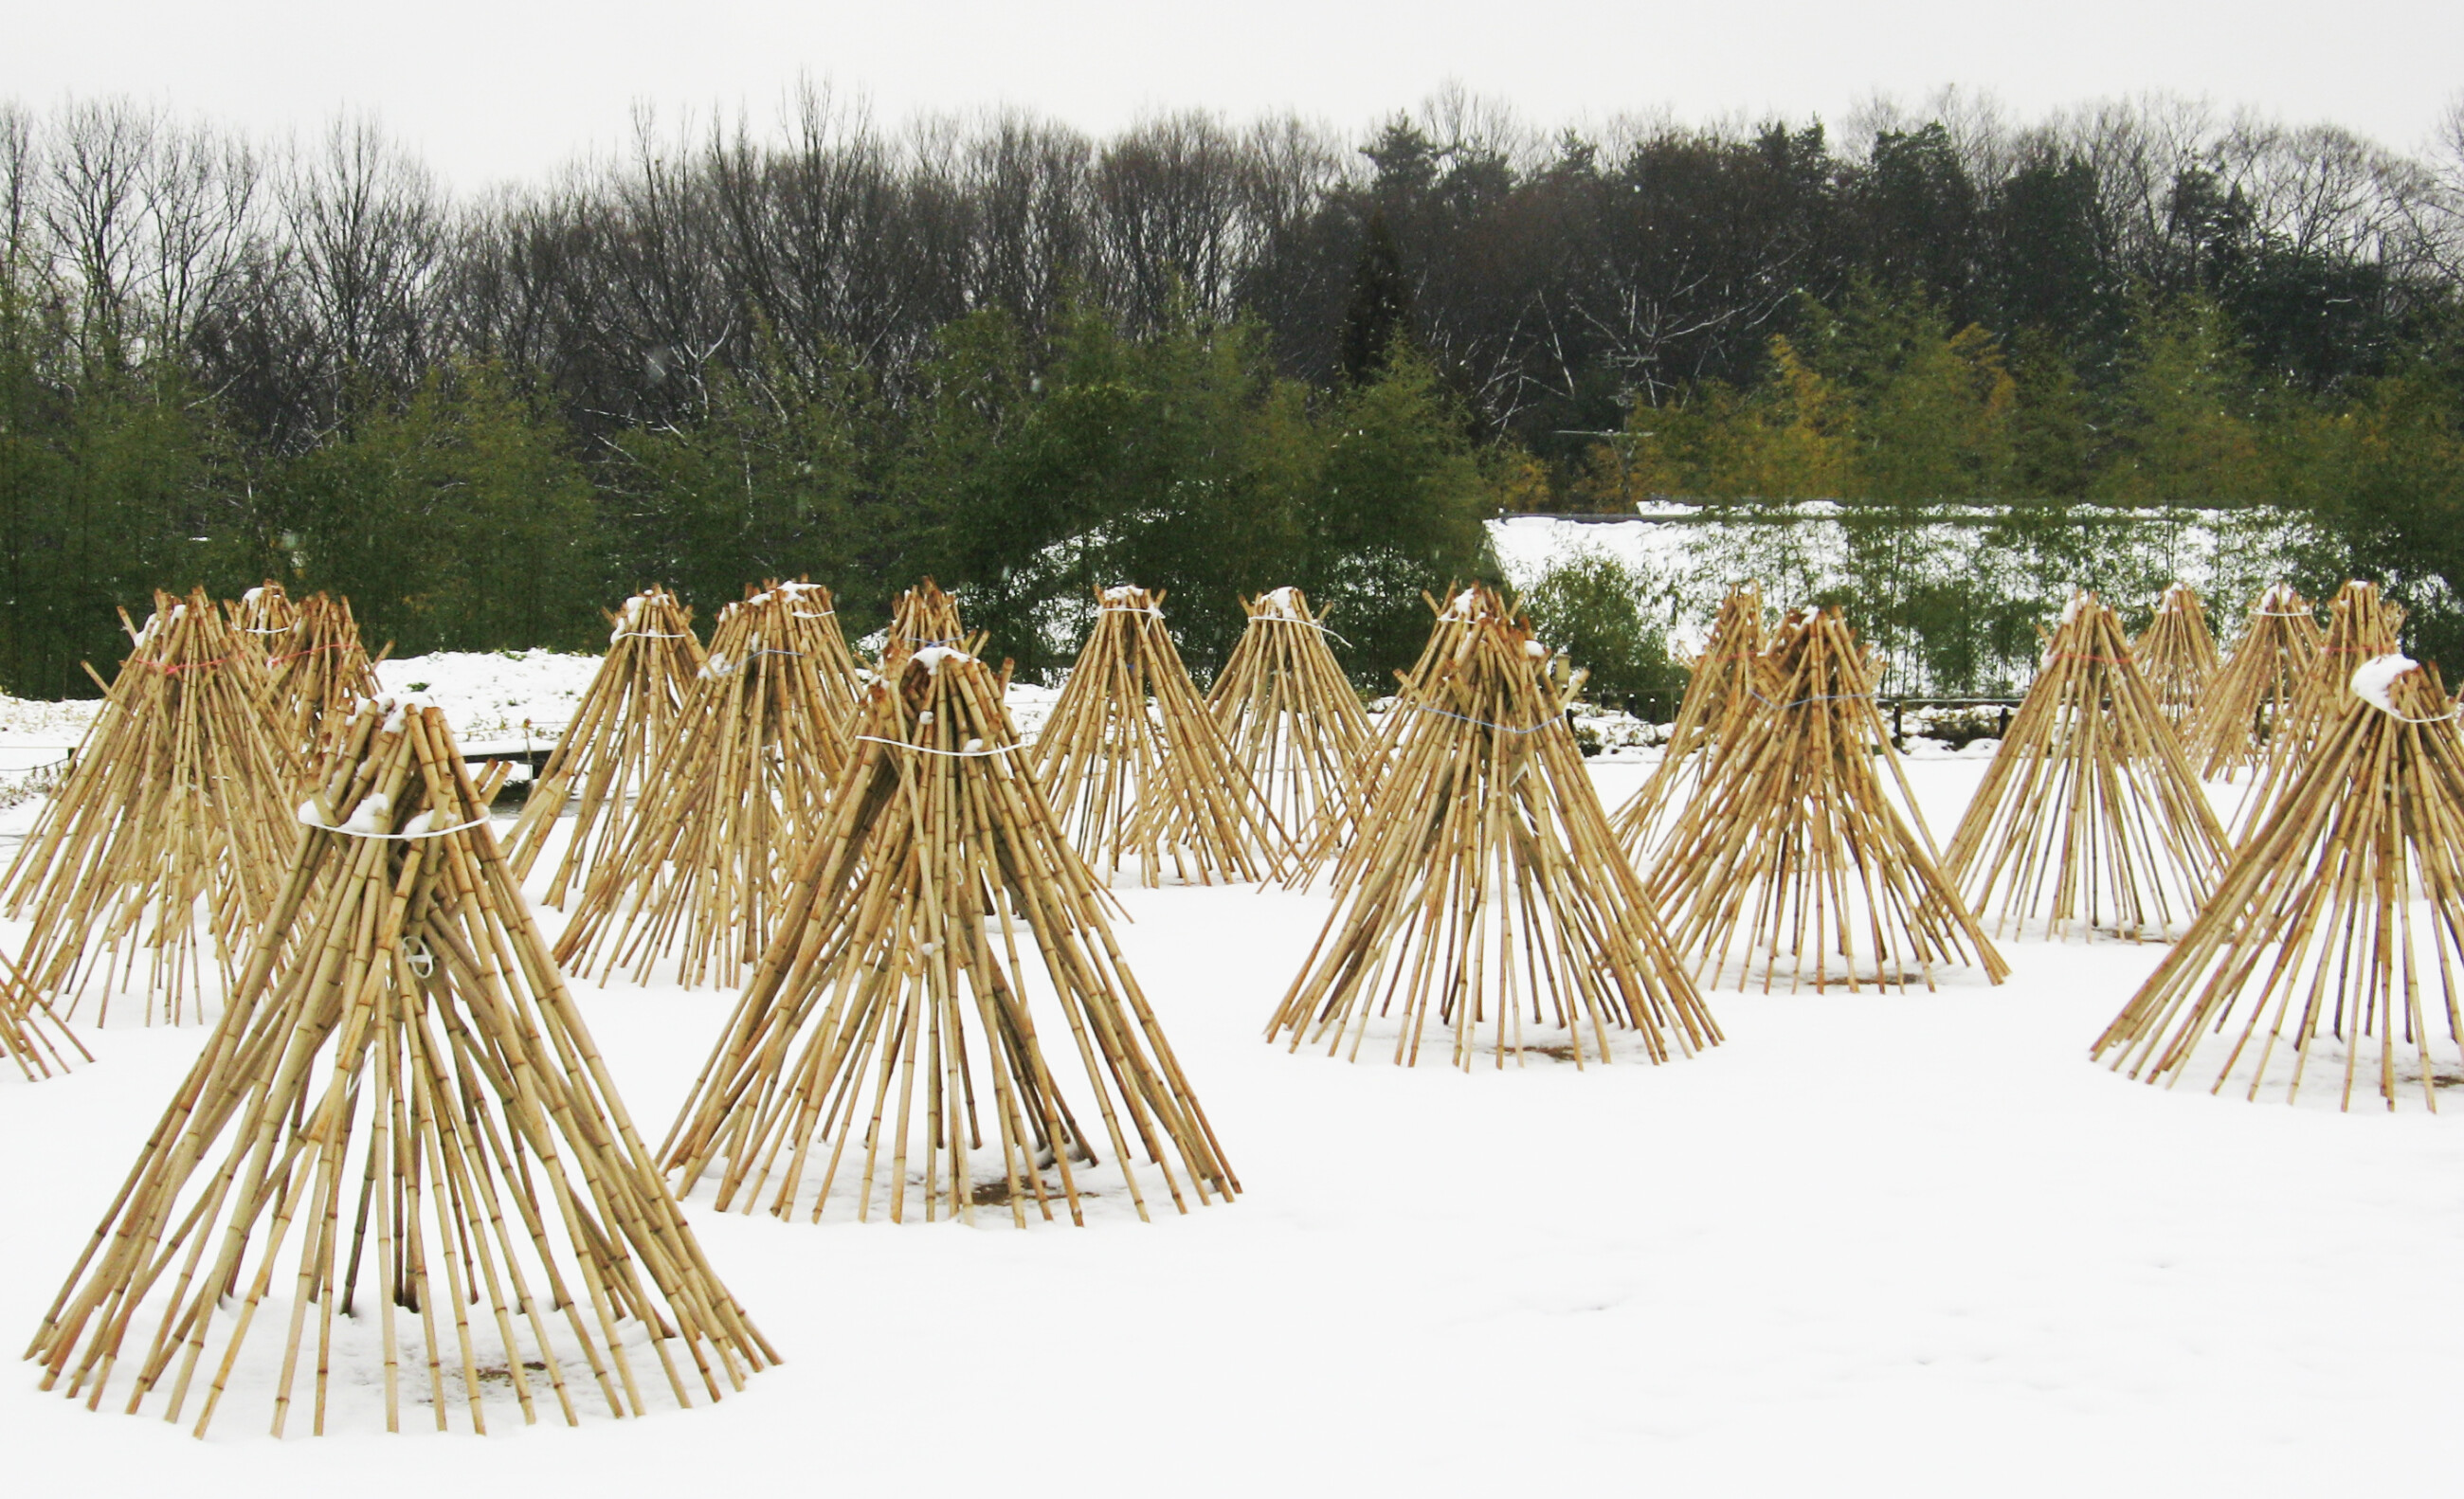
1898	1244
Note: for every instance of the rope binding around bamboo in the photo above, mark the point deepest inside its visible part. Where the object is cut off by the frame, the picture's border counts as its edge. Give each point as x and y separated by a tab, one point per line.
401	1118
890	1030
2339	928
1486	893
2089	815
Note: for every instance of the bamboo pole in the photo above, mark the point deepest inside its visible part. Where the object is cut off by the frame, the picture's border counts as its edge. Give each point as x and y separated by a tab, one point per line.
886	1052
2177	655
1486	890
1133	765
30	1036
702	862
417	1043
2340	922
1291	720
624	720
177	799
1794	844
2089	815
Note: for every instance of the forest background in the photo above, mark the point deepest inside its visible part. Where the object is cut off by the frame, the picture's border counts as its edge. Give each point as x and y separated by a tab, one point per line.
1211	358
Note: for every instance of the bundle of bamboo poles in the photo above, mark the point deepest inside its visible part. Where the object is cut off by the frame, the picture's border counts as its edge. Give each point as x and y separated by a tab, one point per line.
1291	719
893	1011
178	794
30	1035
624	720
1795	844
2177	655
702	860
401	1113
318	674
1133	764
2361	627
2342	918
1486	890
262	617
2251	697
1719	695
924	616
815	616
2089	813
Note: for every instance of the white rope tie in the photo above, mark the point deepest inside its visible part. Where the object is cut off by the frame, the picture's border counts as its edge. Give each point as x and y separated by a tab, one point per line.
648	634
927	749
1294	619
357	832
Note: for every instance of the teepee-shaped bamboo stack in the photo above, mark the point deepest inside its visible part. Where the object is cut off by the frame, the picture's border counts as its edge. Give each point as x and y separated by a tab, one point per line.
30	1035
2342	918
923	617
317	675
1795	840
2177	655
401	1114
1133	763
1719	695
623	722
2361	627
1486	891
178	794
2247	704
893	1011
704	858
2089	813
1291	717
815	617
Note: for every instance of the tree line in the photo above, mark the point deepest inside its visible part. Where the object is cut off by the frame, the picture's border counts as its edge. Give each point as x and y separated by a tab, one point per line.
1210	357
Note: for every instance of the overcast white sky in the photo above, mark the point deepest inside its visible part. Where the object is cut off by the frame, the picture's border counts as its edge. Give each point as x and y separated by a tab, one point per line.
490	89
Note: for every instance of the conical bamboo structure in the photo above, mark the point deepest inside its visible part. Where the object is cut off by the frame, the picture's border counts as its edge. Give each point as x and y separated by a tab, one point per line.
412	1090
1795	845
815	616
30	1035
318	674
924	616
1719	695
1291	719
623	722
2361	627
1133	764
1486	891
2089	814
2177	655
704	859
262	617
2340	924
2252	694
178	795
894	1011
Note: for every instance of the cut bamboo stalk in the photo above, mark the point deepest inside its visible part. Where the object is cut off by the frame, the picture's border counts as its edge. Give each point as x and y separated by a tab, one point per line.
1486	891
703	860
1719	696
2089	815
1292	719
1795	845
1133	765
2361	626
886	1050
924	616
177	797
416	1050
2252	694
30	1036
2339	924
2177	655
622	723
318	674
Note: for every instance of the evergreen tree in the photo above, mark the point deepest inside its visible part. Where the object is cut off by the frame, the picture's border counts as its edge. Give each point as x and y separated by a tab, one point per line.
1381	310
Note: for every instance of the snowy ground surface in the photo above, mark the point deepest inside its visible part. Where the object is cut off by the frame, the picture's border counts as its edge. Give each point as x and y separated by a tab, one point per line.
1909	1243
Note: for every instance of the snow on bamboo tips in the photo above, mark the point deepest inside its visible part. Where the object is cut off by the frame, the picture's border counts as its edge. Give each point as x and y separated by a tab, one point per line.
400	1118
2089	813
2177	656
2251	700
703	860
179	796
623	722
2337	933
1133	765
1794	846
894	1011
923	617
30	1035
2361	627
1718	697
1291	719
1486	891
262	617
